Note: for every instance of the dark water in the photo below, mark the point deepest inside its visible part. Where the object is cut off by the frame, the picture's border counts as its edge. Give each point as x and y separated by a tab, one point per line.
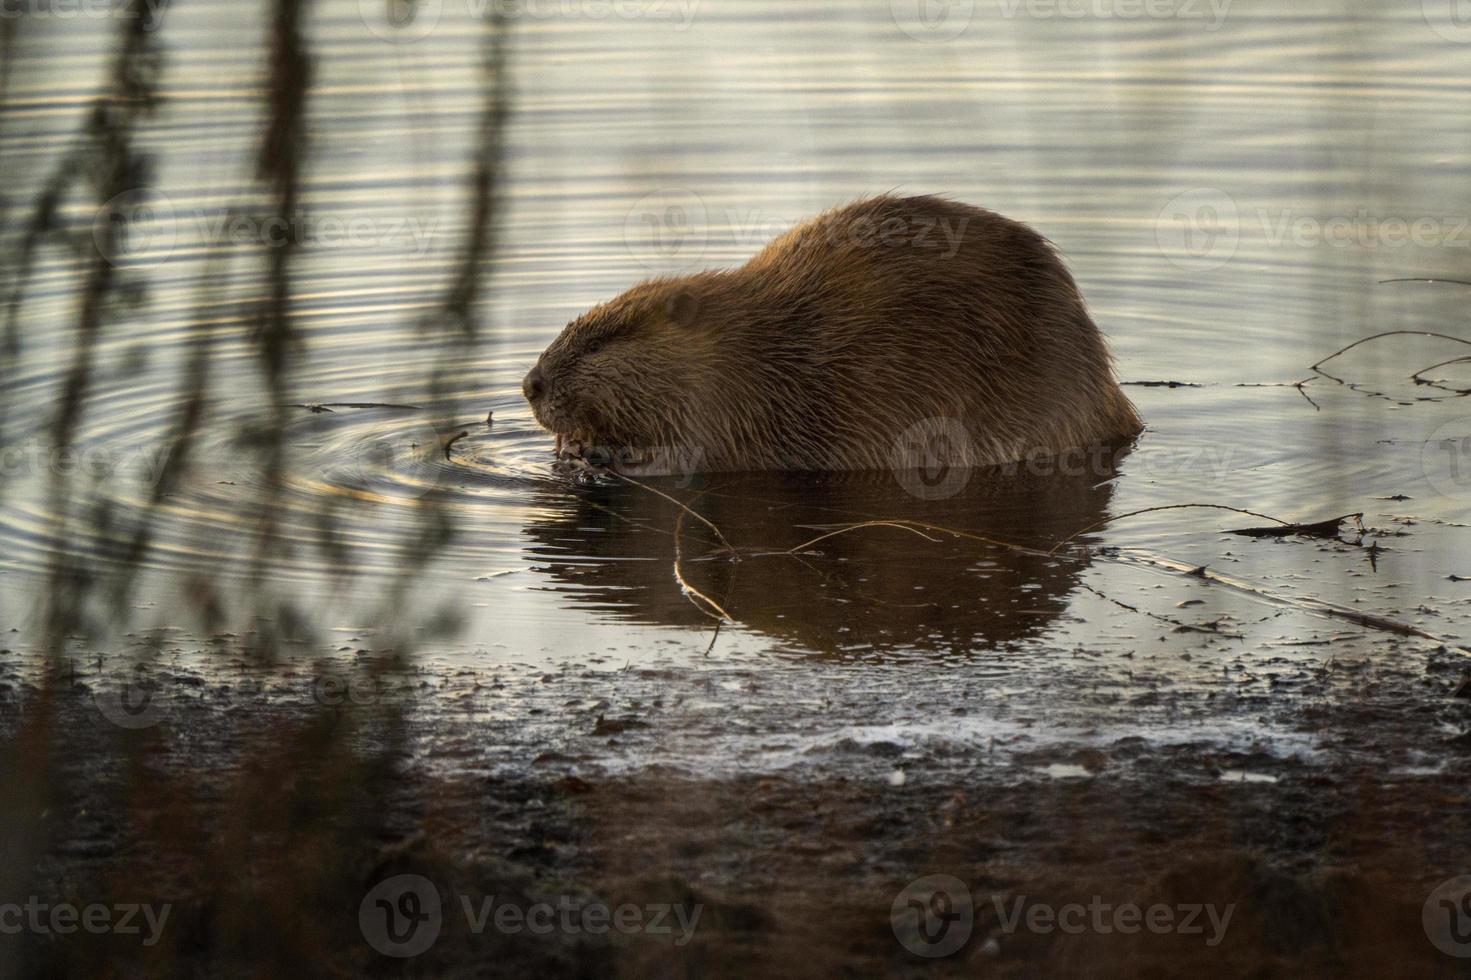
1229	196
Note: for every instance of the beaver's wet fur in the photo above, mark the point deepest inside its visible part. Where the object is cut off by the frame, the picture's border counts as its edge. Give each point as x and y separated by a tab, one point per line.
842	345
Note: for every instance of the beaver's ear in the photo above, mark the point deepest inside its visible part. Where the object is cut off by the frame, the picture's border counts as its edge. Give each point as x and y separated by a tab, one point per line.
683	308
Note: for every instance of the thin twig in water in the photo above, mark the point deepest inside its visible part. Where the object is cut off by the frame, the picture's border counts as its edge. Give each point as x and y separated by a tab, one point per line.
1214	629
1151	510
855	527
329	406
1436	384
451	442
1159	384
1454	282
681	506
1301	387
1316	529
1390	333
689	590
1318	606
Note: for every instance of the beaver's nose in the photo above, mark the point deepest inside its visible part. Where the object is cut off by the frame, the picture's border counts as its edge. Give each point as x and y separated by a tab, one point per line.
535	384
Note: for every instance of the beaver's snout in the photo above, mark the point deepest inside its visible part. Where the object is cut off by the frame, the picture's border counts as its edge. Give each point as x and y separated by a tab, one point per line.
534	385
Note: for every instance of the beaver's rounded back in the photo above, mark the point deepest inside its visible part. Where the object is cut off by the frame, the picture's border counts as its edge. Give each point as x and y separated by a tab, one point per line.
838	346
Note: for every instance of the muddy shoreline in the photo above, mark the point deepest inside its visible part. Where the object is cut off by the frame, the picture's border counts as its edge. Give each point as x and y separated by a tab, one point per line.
263	817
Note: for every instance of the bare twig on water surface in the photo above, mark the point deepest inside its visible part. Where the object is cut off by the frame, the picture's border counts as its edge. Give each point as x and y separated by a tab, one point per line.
856	527
1319	529
1318	606
1180	626
1390	333
1454	282
1151	510
1318	371
681	506
319	407
689	590
1204	573
1159	384
452	440
1437	384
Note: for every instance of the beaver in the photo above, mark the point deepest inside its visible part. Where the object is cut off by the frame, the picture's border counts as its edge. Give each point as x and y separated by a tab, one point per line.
836	346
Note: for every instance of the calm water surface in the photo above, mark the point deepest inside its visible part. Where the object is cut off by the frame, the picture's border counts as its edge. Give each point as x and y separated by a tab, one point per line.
1228	196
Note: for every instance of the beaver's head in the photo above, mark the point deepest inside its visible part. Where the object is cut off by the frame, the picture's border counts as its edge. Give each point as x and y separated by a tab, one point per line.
618	379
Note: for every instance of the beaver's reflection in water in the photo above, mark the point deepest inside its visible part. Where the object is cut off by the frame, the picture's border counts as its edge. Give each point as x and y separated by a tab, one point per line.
873	590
